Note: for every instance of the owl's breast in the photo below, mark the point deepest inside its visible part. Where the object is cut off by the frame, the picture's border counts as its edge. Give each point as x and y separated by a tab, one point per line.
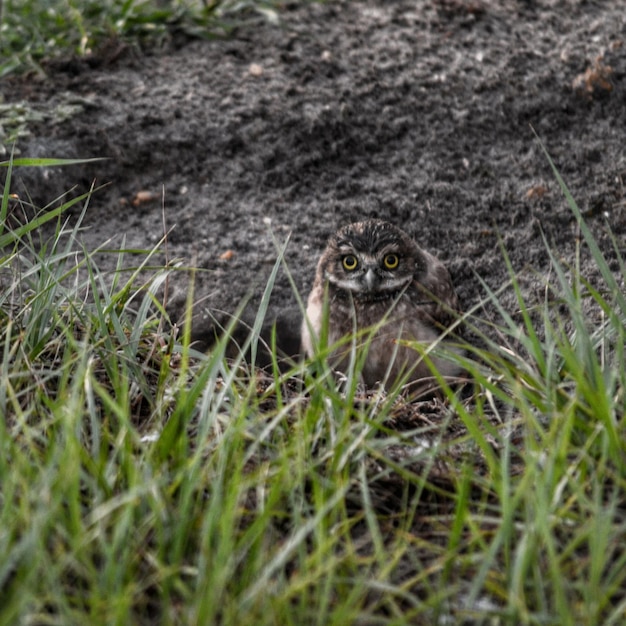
347	316
395	333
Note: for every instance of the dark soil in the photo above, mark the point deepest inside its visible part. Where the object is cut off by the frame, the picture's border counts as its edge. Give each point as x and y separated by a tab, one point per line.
419	112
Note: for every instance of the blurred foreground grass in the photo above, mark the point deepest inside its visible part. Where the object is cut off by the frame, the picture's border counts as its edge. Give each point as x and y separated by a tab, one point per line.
36	30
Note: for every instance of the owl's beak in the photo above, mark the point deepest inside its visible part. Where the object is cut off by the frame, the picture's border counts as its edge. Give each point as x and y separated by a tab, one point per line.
370	279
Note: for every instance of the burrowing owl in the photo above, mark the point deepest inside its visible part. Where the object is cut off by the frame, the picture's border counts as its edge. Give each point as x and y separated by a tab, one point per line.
374	275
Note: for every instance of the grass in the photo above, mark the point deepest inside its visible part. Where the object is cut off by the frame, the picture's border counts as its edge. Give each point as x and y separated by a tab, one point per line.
144	483
32	30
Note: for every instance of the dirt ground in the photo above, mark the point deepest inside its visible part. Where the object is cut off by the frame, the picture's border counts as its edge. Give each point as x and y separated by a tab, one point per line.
416	111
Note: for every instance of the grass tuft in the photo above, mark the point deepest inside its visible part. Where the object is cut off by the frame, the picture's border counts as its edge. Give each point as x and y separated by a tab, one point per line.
33	31
144	482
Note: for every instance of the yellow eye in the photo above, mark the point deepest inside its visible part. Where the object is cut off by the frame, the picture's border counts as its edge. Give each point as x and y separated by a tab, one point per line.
350	262
391	261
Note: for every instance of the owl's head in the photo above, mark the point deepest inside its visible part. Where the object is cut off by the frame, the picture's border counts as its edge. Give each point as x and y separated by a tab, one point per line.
370	260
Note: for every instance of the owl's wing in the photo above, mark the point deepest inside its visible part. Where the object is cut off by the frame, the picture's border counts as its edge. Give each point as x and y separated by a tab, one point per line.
439	298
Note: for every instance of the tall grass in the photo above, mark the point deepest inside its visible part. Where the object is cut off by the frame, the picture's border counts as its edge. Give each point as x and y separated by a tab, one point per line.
142	482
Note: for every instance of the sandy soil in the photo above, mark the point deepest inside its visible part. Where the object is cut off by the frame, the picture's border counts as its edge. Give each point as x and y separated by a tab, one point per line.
416	111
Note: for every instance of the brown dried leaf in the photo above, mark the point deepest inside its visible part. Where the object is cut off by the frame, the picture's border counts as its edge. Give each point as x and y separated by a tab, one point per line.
537	192
141	197
595	80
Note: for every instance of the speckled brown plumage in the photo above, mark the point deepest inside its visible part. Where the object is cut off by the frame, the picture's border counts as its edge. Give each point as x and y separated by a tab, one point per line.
372	273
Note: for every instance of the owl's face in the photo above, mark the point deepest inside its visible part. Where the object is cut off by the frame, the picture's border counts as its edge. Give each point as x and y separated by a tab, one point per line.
370	260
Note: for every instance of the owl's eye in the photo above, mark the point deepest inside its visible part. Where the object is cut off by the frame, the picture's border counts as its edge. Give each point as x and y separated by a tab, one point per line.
391	261
350	262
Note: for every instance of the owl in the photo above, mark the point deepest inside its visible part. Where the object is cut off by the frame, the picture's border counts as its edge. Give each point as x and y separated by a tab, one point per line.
372	275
